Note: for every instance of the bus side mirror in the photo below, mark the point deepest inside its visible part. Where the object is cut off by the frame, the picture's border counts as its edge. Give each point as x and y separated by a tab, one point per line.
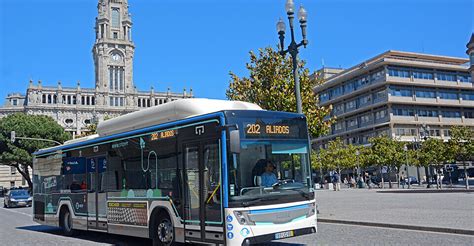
234	140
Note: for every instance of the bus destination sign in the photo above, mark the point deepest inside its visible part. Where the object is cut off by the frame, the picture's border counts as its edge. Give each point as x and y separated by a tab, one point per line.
163	135
263	130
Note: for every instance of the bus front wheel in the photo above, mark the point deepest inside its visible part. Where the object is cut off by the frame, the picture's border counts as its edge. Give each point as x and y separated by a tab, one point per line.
66	222
163	231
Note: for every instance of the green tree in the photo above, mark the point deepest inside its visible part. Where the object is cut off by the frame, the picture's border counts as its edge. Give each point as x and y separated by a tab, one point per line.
386	151
461	147
19	153
433	151
271	86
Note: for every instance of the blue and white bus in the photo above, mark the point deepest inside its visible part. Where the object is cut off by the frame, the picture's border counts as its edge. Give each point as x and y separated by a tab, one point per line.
185	171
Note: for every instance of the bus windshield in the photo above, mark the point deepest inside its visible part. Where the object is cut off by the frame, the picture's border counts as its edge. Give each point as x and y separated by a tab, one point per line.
273	164
269	172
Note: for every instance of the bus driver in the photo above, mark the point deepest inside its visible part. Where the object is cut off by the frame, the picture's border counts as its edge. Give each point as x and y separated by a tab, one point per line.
268	177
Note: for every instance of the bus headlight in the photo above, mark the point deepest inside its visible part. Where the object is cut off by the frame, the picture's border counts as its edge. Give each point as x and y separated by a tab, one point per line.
243	218
312	209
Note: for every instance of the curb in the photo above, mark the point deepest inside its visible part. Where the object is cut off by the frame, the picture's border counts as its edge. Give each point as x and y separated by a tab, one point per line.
399	226
427	191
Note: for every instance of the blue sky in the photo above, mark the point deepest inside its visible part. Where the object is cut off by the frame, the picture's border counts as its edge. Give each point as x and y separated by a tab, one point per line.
190	43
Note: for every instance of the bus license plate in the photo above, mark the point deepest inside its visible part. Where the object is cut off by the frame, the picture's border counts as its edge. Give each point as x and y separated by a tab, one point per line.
284	234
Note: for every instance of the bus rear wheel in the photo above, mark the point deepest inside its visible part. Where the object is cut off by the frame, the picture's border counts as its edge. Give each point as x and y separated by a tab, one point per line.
65	221
163	231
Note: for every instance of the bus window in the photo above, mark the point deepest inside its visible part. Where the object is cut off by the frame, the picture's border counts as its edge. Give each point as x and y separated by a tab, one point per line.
212	182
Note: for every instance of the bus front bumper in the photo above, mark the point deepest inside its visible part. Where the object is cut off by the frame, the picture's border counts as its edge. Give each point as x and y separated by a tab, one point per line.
273	236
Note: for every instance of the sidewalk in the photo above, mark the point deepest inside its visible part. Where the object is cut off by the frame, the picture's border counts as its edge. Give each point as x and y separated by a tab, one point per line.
447	212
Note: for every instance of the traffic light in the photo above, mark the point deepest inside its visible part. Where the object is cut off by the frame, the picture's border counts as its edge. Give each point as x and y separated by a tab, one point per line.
12	136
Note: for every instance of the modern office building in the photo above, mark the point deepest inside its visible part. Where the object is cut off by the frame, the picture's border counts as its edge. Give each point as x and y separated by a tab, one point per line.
114	92
396	93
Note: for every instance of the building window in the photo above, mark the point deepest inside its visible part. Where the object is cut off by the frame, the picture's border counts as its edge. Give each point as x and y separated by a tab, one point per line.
14	102
12	183
115	35
451	114
405	132
435	133
336	92
111	78
351	105
469	114
139	102
448	95
446	76
111	101
467	96
394	72
365	100
349	87
377	75
380	114
422	75
12	170
427	113
338	126
379	96
464	78
447	133
323	97
400	92
352	123
425	93
403	112
364	119
115	18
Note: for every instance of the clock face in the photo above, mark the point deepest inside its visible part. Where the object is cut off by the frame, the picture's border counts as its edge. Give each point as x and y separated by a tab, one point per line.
116	57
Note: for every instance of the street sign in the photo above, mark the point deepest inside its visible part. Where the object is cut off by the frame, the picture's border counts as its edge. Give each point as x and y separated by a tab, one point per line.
12	136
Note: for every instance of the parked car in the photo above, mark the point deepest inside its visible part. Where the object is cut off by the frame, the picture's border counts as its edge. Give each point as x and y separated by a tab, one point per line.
17	198
412	179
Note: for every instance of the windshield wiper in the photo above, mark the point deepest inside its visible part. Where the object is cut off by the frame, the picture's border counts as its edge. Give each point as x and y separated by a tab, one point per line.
256	200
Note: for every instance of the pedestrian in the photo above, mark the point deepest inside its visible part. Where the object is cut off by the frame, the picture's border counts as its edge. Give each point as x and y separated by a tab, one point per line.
402	181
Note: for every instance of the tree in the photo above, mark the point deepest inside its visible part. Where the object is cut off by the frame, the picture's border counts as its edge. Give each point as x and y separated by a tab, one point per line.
433	152
461	147
271	86
386	151
19	153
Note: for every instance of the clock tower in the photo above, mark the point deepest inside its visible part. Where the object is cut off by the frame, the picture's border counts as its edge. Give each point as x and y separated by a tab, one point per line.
113	54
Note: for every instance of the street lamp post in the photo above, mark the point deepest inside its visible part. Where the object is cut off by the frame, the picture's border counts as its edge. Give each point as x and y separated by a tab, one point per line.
293	47
406	166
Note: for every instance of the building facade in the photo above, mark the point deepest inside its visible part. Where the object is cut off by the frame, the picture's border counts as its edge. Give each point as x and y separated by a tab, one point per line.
114	93
402	95
10	177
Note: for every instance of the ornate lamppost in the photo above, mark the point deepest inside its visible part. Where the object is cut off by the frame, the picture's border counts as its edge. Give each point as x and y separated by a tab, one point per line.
293	47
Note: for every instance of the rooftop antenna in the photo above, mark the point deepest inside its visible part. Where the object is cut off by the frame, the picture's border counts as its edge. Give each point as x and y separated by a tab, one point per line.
322	62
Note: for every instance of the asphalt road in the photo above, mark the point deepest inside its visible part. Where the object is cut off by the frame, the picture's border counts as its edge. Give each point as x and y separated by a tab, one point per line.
17	228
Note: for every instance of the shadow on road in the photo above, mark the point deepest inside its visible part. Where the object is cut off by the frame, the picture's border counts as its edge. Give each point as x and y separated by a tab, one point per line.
113	239
97	237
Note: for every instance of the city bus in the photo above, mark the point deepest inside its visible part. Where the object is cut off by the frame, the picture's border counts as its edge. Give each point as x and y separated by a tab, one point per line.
188	171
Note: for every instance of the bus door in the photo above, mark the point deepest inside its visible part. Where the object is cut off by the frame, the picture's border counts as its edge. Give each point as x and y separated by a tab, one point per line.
96	196
203	209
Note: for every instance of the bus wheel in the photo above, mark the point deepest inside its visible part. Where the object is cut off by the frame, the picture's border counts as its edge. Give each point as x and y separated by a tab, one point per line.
65	221
163	234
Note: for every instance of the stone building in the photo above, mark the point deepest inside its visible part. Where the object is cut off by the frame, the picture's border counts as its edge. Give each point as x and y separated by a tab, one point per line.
114	93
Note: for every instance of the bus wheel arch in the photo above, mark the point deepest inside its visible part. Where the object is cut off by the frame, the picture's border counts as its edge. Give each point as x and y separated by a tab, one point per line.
65	221
161	227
